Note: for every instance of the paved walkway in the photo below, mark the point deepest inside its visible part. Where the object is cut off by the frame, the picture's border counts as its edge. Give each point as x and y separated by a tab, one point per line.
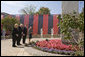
8	50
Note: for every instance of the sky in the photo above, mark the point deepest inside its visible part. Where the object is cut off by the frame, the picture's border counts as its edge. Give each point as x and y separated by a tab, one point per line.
14	7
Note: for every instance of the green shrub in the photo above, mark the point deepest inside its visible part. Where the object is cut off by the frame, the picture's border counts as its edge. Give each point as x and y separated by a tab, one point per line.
79	53
8	23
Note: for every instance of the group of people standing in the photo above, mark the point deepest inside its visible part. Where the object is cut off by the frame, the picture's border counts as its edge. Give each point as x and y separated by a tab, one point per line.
20	31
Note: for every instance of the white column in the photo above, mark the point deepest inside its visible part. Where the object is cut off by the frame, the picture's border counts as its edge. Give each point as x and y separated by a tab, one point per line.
41	33
52	33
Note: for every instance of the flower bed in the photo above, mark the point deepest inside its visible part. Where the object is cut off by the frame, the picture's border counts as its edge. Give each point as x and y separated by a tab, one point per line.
55	46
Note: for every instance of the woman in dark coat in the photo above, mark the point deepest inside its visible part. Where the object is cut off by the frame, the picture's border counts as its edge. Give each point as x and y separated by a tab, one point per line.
15	35
30	33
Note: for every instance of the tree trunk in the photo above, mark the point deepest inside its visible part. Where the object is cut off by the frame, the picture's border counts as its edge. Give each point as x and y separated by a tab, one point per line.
74	39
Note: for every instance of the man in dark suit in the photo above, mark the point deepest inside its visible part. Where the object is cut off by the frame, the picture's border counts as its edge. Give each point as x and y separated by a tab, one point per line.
24	34
20	34
15	35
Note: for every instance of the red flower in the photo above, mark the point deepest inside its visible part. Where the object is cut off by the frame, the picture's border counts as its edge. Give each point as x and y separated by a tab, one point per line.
56	44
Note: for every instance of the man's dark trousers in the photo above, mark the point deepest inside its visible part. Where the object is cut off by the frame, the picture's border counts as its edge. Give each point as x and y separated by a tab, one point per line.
20	36
25	34
24	39
19	39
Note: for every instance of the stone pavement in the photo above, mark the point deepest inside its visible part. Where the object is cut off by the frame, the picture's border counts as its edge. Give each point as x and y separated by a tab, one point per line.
8	50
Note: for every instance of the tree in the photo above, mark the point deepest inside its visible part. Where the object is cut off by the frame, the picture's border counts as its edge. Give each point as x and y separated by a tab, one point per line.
43	10
73	23
8	23
81	20
30	9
